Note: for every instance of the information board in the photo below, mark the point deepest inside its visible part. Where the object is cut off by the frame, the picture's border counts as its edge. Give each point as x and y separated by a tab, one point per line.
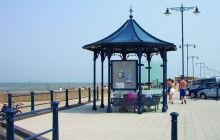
124	75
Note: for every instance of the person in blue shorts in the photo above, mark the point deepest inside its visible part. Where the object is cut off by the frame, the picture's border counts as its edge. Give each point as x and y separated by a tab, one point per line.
183	87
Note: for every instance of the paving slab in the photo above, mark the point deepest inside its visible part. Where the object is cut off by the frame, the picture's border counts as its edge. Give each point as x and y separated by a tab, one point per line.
197	120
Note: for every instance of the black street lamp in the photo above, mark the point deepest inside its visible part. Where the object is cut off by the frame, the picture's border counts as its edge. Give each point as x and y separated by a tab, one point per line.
193	57
182	9
187	56
200	64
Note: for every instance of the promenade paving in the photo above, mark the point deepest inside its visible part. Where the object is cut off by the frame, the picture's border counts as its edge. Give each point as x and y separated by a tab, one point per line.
197	120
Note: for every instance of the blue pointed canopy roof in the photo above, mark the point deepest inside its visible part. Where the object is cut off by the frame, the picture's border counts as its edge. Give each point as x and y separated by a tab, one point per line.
128	38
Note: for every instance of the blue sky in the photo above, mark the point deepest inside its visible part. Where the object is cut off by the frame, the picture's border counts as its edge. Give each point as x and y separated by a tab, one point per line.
41	40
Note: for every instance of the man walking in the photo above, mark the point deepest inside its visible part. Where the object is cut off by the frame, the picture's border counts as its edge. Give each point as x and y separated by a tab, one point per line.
182	87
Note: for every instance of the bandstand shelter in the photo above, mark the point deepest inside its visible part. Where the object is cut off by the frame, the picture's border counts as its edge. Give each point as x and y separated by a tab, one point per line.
130	38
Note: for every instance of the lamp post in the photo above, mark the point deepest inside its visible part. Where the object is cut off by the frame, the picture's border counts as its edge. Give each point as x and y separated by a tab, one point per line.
209	71
214	72
187	55
193	57
182	9
205	69
200	64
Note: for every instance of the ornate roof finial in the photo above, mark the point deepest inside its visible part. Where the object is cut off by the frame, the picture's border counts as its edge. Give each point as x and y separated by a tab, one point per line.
131	12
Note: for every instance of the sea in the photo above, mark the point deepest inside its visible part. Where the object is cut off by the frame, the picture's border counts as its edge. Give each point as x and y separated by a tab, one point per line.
32	86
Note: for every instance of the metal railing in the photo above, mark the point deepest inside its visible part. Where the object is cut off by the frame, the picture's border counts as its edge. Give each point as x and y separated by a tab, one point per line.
10	116
66	100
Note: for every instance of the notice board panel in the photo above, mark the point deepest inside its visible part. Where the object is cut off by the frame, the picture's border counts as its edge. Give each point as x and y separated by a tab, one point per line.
124	74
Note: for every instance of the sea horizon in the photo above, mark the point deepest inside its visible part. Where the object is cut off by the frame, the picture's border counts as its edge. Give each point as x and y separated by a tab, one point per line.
41	86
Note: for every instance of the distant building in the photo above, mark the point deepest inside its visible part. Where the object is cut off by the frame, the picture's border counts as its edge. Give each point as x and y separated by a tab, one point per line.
190	79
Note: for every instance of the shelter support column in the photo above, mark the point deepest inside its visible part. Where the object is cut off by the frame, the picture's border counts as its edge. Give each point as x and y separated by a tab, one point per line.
149	60
102	84
94	80
140	104
109	109
164	57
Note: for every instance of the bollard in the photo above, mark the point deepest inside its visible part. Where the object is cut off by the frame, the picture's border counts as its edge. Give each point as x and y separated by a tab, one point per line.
51	97
79	96
32	101
217	94
10	123
9	100
97	93
89	100
55	121
174	121
67	98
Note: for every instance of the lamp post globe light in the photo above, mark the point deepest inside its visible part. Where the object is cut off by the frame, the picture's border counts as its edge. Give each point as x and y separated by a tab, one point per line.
200	64
187	56
193	57
182	9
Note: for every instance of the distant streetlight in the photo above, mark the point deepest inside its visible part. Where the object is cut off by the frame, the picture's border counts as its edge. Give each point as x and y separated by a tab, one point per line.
187	56
214	72
200	64
182	9
193	57
205	69
209	71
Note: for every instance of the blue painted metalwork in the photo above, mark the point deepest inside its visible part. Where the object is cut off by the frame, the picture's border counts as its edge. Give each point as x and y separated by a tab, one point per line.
102	80
89	100
79	96
10	115
51	96
140	104
97	92
94	80
32	101
9	100
67	98
10	123
174	130
148	60
55	135
130	33
129	38
109	109
164	57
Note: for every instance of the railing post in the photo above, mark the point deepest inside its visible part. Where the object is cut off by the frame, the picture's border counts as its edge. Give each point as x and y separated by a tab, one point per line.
55	121
89	100
10	123
97	93
9	100
32	101
79	96
174	121
51	97
67	98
